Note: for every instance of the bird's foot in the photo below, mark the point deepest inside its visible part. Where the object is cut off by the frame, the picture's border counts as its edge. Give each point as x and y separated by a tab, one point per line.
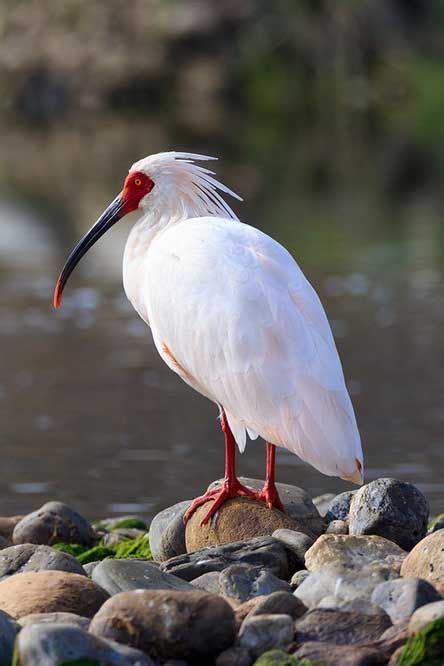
231	488
270	496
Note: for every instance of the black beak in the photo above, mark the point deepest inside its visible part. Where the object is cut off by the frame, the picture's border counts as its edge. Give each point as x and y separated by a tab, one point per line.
109	217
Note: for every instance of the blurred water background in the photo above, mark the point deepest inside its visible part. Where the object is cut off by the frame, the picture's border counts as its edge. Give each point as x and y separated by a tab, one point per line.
328	118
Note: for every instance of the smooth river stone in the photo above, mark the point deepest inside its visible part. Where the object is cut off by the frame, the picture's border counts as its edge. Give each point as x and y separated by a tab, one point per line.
426	561
31	557
54	522
116	576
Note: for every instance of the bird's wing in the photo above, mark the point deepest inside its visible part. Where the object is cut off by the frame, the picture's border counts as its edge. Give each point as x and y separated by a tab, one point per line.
234	315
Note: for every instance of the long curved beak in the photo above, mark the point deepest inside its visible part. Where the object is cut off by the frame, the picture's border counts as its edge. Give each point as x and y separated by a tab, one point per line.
109	217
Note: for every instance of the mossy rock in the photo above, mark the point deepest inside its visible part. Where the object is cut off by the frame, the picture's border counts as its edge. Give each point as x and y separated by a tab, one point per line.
130	523
433	523
426	648
281	658
138	548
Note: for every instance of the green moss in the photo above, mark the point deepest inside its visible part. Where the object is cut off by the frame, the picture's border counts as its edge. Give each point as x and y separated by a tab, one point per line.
138	548
435	521
130	523
426	648
281	658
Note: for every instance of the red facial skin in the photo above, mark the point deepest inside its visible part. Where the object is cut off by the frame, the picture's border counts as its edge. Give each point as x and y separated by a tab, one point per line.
137	185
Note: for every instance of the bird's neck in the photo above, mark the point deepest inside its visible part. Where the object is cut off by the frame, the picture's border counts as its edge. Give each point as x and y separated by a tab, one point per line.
135	257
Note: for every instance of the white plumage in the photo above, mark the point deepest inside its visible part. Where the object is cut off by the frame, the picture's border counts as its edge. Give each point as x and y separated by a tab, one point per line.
234	316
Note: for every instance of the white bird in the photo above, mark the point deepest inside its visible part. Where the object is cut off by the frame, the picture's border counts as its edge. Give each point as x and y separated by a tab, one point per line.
234	316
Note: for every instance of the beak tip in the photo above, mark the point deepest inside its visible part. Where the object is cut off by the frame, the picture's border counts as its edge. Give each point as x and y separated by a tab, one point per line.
57	297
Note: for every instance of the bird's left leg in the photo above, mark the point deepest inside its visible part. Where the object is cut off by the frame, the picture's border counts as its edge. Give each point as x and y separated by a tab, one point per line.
231	486
269	493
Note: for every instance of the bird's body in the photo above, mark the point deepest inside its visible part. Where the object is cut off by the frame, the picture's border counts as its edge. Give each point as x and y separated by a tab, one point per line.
234	316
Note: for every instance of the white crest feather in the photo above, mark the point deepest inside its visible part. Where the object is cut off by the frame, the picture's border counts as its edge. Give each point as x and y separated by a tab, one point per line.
176	176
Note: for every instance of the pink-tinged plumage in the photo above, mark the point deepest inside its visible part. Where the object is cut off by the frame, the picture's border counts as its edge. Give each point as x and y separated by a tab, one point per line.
234	316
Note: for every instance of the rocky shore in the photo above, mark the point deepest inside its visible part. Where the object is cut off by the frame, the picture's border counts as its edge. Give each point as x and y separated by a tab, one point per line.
355	579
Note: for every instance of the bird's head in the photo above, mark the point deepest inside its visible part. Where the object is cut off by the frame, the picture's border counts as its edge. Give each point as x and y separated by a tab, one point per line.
169	183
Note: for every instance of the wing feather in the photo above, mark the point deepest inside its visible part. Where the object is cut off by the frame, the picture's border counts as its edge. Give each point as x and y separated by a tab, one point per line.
250	333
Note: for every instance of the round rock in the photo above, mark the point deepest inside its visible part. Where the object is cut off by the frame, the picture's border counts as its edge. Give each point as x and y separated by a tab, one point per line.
339	507
31	557
54	522
41	644
392	509
168	624
401	597
55	618
237	519
297	503
50	591
167	532
264	632
347	552
243	582
283	603
426	614
426	560
235	656
116	576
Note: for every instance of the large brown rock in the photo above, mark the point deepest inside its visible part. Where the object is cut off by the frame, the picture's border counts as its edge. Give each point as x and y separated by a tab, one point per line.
346	552
168	624
426	560
236	520
50	591
339	655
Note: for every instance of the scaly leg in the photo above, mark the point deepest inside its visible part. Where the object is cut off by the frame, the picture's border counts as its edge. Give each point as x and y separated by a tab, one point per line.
231	486
269	493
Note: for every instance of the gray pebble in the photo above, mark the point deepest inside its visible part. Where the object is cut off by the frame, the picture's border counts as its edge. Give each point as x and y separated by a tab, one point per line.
116	576
31	557
265	632
244	581
400	598
54	522
167	532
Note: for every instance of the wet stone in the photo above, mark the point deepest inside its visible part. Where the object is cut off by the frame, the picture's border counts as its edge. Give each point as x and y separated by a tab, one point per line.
263	632
67	644
31	557
8	632
168	624
54	522
264	552
55	618
340	627
393	509
116	576
339	507
167	532
244	581
400	598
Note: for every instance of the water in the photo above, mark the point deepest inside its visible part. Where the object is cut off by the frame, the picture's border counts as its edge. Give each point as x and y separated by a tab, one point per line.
89	413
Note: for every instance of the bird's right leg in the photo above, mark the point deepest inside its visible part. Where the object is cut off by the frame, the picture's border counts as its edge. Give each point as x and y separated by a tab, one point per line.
231	486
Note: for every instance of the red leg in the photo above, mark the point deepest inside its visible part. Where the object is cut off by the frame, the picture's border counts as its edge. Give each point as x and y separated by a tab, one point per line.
231	486
269	493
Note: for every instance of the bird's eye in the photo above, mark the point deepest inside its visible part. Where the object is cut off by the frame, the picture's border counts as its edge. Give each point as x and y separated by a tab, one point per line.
137	181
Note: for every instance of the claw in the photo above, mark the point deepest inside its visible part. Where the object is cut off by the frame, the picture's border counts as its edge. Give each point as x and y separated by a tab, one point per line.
231	488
